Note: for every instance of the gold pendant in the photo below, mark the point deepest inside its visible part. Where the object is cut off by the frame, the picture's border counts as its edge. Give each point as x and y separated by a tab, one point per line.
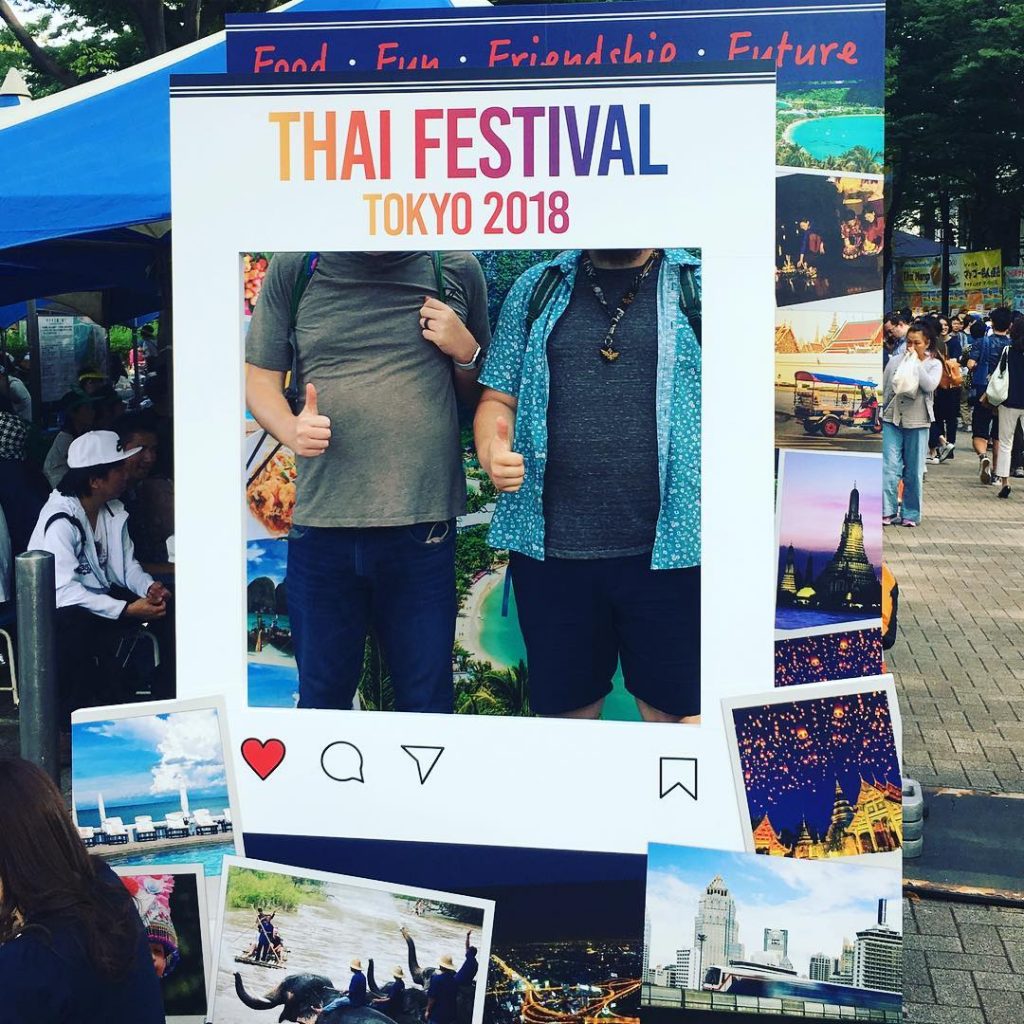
610	354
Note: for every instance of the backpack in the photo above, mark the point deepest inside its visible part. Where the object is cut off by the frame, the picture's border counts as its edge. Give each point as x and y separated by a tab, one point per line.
299	286
551	278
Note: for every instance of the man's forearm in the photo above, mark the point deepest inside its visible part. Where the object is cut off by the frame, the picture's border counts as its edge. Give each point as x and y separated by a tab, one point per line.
270	408
467	387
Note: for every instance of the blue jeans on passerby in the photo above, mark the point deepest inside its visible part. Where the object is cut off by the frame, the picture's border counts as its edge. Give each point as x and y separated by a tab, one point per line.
398	581
903	454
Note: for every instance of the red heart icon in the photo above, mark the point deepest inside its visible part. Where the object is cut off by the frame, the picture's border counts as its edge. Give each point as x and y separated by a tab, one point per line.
263	756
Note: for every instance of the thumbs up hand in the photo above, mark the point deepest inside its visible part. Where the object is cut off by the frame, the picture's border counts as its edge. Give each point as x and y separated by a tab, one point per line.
312	431
507	468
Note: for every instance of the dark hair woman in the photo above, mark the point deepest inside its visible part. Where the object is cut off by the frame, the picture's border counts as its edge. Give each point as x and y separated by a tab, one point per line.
72	946
908	386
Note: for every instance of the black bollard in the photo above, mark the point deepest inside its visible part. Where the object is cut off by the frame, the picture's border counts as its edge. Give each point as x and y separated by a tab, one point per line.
37	661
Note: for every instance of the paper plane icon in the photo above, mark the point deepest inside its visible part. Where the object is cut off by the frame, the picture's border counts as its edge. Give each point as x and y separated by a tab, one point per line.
425	757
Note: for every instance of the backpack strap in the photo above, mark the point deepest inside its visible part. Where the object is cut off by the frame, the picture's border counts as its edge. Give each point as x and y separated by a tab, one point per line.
543	290
71	519
299	286
437	259
689	299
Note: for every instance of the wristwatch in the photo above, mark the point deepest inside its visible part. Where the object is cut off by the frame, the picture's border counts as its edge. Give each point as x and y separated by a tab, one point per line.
472	364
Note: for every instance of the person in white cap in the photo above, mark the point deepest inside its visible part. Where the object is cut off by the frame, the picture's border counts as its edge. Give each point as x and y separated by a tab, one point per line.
102	591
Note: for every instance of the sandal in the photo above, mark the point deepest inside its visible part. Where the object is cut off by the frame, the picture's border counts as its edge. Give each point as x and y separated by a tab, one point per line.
908	522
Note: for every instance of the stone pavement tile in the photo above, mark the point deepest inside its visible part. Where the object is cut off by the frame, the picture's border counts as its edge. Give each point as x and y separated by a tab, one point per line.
935	918
1002	1007
923	1013
999	982
924	994
954	988
955	961
978	938
915	969
938	944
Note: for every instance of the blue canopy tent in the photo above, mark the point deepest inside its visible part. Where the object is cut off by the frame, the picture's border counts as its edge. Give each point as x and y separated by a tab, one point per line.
89	204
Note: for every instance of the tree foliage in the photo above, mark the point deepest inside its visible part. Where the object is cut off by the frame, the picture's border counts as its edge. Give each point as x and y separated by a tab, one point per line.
77	40
955	118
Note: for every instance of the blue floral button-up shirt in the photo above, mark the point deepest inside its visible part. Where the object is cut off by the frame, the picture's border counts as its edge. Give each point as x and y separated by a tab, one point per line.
517	365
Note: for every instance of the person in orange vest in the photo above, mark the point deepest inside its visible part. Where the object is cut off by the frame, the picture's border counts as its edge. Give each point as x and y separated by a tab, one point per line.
890	604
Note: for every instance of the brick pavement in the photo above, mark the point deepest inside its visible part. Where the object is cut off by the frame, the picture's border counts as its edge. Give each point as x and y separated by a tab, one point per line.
963	964
959	659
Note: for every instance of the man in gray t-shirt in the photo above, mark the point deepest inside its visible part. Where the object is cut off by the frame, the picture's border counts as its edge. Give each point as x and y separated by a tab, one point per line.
383	354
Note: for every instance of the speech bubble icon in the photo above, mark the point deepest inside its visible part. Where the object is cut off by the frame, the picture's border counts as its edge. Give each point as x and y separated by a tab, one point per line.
343	762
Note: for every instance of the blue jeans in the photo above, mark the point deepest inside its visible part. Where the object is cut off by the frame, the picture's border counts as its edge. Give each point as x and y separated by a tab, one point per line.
398	581
903	454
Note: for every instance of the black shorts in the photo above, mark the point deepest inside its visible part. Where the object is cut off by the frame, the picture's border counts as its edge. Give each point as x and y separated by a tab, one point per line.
984	422
580	617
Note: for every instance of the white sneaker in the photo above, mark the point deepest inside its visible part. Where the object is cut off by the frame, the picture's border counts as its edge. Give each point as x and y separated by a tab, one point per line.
946	451
933	460
986	470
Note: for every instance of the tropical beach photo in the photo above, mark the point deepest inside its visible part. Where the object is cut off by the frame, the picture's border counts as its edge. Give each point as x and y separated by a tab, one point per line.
738	932
830	126
319	930
154	786
829	530
818	777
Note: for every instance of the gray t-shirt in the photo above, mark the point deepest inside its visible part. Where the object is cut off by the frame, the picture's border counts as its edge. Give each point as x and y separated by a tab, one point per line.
601	485
394	456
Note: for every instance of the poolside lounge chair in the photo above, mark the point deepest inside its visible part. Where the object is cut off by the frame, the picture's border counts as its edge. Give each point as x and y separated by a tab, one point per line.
114	830
88	835
145	830
205	825
225	820
176	826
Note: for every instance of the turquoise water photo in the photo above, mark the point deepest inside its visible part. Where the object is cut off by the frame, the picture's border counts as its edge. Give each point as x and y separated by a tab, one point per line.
825	137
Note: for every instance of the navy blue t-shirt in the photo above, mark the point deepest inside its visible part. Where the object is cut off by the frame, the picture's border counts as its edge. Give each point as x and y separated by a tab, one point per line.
52	981
444	991
467	972
357	989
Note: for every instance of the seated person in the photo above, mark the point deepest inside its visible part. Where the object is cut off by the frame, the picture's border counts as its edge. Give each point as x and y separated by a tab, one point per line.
149	500
78	413
393	999
102	591
23	488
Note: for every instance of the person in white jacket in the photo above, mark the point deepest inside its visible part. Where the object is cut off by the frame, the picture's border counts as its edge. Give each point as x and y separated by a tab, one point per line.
103	592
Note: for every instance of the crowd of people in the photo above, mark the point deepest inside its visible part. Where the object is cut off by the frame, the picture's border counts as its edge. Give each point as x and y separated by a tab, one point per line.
943	374
98	495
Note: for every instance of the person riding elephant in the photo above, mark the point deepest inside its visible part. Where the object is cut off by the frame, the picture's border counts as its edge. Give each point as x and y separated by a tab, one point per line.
304	998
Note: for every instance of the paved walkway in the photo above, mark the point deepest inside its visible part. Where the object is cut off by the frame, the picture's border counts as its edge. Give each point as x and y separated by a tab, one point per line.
959	659
959	667
962	964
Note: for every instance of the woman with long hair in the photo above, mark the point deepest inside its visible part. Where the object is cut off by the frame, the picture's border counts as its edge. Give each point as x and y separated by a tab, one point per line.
907	415
72	945
1011	412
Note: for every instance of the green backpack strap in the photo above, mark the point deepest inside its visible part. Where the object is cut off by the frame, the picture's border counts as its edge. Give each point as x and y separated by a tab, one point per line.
306	270
437	259
543	290
689	298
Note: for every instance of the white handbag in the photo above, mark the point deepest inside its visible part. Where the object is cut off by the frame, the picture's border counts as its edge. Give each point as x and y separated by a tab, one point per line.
999	383
907	378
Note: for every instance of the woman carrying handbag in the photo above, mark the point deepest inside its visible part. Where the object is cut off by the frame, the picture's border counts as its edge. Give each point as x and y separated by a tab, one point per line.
908	384
1007	394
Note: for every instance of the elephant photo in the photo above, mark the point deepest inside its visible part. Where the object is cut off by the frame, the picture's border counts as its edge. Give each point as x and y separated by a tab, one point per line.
299	994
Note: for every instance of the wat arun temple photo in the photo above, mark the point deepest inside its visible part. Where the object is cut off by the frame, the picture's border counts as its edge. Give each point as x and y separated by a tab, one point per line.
848	582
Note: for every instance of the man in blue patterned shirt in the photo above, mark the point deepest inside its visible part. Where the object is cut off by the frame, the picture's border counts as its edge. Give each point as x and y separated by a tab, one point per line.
589	427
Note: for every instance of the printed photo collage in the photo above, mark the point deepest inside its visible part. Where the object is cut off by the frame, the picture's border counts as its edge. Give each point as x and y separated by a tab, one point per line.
500	529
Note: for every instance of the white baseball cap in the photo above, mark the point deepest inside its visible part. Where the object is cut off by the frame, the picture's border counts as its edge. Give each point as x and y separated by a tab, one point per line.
98	448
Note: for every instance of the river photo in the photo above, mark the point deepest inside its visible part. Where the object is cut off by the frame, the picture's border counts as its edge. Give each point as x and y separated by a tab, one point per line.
324	922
